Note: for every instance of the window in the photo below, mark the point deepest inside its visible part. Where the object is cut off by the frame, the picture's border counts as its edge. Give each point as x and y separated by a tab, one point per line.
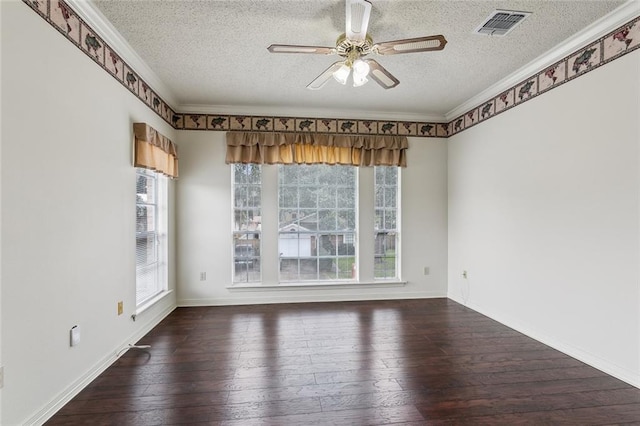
317	219
247	222
151	235
386	222
317	222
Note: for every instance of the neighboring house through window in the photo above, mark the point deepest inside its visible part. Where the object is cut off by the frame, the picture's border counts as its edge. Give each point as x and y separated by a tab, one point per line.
317	222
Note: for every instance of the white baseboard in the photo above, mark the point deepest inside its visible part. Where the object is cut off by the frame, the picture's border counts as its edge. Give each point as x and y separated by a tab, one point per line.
46	412
331	297
580	354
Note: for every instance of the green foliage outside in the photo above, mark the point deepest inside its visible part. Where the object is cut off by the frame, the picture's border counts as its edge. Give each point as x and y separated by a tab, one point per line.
385	267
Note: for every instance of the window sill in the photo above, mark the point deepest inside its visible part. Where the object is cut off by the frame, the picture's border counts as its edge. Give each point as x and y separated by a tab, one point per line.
149	303
316	285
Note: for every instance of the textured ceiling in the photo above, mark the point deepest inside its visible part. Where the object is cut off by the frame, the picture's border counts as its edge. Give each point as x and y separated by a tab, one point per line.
214	53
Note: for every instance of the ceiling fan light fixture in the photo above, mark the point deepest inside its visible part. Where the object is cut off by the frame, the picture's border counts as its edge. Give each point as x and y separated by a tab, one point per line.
359	80
360	68
342	74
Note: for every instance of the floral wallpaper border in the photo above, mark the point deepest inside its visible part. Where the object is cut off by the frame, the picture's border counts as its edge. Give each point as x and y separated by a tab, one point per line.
617	43
308	124
62	17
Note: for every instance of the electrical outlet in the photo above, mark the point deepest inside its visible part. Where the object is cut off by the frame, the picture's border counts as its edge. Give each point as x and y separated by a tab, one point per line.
120	308
203	276
426	270
464	274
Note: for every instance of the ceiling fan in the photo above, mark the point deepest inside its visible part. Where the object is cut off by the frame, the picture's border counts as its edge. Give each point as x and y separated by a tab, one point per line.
356	44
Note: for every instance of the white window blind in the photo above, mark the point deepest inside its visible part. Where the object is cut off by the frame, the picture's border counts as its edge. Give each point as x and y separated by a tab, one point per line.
151	232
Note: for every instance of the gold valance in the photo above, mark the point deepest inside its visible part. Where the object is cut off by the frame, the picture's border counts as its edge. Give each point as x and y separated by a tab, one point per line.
304	148
154	151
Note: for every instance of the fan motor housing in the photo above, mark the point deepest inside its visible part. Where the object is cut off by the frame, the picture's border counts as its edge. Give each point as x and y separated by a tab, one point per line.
345	46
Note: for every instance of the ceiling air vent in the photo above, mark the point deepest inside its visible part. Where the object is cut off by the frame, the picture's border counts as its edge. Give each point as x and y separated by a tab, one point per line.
501	22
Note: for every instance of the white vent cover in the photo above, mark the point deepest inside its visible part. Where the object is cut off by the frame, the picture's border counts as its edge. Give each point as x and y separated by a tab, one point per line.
501	22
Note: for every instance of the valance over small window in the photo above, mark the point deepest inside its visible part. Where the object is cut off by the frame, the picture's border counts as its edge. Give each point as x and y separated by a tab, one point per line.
301	148
154	151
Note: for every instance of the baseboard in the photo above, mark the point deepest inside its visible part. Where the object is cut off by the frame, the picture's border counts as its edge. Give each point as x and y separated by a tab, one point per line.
332	297
575	352
46	412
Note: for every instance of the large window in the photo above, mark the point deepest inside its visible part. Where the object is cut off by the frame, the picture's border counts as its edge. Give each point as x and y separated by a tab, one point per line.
247	222
298	223
317	222
386	225
151	235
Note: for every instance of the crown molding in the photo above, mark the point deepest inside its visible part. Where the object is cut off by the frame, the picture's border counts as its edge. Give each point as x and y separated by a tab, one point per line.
618	17
101	25
270	111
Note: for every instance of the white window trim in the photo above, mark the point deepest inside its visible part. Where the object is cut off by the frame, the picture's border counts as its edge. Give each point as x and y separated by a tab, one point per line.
152	301
319	285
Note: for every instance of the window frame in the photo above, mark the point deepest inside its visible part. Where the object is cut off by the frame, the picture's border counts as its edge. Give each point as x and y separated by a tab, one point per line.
326	247
159	267
248	262
386	231
363	273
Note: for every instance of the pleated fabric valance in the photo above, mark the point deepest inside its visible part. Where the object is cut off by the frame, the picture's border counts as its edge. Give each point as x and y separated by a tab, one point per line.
154	151
302	148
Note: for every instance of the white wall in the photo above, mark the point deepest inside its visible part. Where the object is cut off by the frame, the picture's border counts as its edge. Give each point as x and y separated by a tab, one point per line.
203	205
68	216
544	216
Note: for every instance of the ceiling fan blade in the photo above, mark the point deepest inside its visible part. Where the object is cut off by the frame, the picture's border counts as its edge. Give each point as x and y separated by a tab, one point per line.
410	45
381	76
289	48
325	76
358	13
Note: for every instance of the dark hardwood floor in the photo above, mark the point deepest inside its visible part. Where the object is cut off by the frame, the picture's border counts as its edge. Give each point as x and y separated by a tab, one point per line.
410	362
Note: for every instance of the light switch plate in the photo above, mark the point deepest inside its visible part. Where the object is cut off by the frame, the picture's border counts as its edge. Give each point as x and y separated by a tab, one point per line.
75	335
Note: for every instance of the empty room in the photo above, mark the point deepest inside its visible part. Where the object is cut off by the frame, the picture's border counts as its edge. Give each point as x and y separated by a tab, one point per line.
332	212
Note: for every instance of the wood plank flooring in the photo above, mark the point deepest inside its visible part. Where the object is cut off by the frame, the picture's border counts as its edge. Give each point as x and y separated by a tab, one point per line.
409	362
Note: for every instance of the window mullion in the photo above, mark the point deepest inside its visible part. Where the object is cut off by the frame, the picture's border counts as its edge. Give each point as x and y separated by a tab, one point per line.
365	224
